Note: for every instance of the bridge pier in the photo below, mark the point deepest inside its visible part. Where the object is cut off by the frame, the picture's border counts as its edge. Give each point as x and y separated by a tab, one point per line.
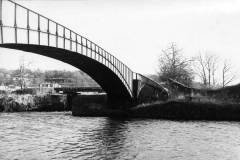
136	86
88	105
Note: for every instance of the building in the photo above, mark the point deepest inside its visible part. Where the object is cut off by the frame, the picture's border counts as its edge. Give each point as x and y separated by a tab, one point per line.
47	87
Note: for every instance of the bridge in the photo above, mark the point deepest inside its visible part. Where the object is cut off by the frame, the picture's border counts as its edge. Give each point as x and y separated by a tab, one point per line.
79	89
24	29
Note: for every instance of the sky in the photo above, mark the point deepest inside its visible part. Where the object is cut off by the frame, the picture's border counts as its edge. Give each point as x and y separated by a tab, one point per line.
136	31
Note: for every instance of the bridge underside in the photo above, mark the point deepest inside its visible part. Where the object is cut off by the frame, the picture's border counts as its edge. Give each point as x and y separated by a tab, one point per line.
109	81
150	94
147	91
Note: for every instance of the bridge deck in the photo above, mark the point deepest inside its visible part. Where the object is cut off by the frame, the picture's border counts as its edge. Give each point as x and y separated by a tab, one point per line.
79	89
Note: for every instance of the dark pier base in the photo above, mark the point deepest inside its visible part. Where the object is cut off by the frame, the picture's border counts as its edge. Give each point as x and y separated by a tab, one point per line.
95	105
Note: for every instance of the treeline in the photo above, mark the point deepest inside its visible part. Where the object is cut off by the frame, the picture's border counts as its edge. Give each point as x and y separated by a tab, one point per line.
35	77
209	69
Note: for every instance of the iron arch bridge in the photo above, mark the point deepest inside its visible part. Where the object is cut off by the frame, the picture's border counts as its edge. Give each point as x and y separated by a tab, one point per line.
26	30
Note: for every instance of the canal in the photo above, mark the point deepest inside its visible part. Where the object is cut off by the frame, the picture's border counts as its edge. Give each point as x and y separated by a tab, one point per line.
59	135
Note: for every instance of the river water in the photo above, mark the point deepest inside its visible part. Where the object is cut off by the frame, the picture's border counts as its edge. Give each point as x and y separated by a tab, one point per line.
59	135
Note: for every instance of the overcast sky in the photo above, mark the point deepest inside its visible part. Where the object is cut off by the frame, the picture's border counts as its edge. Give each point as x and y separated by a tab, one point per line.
136	31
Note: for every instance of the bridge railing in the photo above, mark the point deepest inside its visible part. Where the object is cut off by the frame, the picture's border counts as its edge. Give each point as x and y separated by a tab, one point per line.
19	24
149	81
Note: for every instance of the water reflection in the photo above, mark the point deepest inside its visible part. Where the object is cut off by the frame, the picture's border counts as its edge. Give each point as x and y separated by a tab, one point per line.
92	138
61	136
112	139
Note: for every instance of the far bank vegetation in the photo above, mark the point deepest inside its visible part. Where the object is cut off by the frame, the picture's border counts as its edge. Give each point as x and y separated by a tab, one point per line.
205	76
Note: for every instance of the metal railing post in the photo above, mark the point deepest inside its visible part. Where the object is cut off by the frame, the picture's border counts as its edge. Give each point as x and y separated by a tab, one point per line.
114	65
123	68
132	79
123	71
56	35
95	53
48	33
81	45
76	42
64	38
103	52
101	58
86	47
127	75
1	22
91	45
113	59
15	21
70	40
38	29
120	69
28	27
104	58
99	53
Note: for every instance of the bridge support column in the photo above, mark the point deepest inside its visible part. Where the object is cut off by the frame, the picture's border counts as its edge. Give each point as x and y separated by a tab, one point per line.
88	105
136	85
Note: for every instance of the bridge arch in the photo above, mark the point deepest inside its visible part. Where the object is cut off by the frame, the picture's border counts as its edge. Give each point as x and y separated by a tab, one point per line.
104	76
49	38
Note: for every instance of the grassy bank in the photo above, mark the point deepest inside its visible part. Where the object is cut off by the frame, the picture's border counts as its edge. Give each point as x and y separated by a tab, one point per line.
172	110
183	110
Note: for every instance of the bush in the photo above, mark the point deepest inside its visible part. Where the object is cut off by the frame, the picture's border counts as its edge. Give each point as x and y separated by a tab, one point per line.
25	91
3	92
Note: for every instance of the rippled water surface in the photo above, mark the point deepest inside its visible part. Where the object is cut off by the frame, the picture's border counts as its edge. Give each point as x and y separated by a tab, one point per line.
62	136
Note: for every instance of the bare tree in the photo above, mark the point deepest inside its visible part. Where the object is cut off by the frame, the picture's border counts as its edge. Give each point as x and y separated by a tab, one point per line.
227	75
201	69
173	65
22	71
206	69
211	64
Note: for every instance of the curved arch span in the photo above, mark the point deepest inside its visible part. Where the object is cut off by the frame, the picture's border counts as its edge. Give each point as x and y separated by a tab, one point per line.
105	77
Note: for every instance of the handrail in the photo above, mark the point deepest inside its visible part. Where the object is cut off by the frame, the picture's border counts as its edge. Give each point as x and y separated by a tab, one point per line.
152	81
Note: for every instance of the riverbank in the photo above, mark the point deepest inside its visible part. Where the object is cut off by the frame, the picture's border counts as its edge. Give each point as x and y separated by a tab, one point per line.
186	110
29	102
171	110
96	106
